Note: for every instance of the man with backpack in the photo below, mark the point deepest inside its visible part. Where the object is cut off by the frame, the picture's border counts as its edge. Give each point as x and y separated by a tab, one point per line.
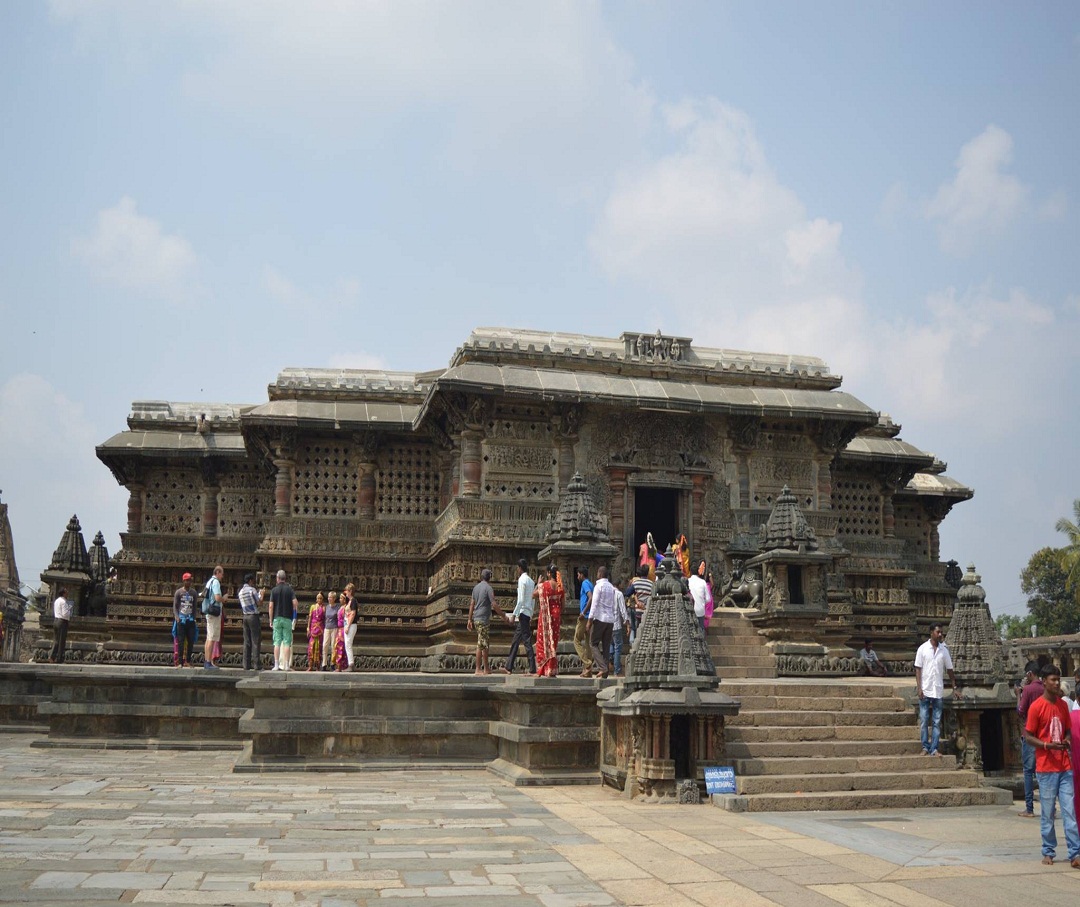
213	607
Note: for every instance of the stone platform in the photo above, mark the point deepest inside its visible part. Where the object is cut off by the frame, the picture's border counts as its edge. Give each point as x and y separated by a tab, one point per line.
795	744
527	730
145	828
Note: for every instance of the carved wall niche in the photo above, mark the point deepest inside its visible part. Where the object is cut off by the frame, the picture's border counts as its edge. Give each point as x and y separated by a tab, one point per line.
173	502
246	500
782	458
325	480
407	482
516	471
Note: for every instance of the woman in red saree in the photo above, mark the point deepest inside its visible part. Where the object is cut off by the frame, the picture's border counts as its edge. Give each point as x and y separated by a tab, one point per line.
549	594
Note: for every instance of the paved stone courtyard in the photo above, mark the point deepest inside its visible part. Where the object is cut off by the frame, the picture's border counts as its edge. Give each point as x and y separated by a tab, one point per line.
172	827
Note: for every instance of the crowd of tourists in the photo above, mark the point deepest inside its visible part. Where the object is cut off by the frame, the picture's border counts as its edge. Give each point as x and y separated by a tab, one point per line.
331	624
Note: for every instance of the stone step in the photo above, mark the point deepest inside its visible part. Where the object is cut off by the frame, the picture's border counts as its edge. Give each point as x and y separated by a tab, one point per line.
819	688
877	704
795	718
735	650
739	750
738	672
752	734
733	631
844	781
815	765
864	799
746	661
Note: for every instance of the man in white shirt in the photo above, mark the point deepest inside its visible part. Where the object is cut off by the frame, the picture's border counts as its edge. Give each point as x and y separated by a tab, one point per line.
932	661
523	612
603	613
61	619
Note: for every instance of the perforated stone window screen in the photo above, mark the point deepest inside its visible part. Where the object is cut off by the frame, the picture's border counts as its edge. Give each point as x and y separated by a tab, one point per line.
325	481
173	503
857	504
911	527
407	483
246	502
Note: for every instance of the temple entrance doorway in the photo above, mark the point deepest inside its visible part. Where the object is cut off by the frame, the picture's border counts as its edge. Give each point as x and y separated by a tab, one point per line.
656	510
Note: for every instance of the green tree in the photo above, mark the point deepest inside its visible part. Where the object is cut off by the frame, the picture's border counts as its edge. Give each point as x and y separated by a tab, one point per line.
1070	554
1052	605
1009	626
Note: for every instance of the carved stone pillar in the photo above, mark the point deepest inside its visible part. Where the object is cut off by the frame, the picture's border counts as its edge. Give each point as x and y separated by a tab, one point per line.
367	445
455	474
565	430
283	483
471	465
888	513
745	431
210	509
617	487
697	498
136	490
824	486
366	491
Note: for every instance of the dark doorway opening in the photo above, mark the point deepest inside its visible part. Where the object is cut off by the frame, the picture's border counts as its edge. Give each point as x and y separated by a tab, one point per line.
680	745
656	510
794	581
993	741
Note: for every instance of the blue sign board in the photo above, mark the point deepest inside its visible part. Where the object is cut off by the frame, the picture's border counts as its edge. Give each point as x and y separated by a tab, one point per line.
719	779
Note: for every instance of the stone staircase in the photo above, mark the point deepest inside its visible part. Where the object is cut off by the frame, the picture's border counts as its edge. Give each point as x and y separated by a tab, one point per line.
736	649
833	745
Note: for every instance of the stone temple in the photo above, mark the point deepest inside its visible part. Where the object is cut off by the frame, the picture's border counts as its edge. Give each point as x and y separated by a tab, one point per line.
408	484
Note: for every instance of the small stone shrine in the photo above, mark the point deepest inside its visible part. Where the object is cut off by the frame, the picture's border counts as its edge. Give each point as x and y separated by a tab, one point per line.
70	569
662	725
982	725
794	604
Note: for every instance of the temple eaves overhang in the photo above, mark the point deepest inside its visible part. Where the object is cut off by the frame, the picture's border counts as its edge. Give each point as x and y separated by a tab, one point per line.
925	484
652	393
886	450
305	413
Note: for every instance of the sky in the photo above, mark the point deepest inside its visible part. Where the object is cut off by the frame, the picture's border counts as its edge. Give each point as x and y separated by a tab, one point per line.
195	195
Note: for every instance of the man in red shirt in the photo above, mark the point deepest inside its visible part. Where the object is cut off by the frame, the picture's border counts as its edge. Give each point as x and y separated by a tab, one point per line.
1031	690
1048	731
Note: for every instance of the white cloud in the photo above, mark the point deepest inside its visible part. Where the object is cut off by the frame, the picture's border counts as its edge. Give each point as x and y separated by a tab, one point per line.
734	258
129	250
50	471
982	200
710	228
533	87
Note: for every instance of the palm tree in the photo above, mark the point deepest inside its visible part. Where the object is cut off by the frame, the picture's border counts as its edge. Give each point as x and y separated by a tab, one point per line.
1070	554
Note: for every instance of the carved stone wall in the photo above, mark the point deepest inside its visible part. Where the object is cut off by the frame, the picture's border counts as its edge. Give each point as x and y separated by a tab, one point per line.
913	526
173	502
246	500
856	500
407	482
518	471
783	458
325	480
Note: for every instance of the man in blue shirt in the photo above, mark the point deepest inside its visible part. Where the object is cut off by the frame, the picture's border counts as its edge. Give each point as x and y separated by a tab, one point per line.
581	631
